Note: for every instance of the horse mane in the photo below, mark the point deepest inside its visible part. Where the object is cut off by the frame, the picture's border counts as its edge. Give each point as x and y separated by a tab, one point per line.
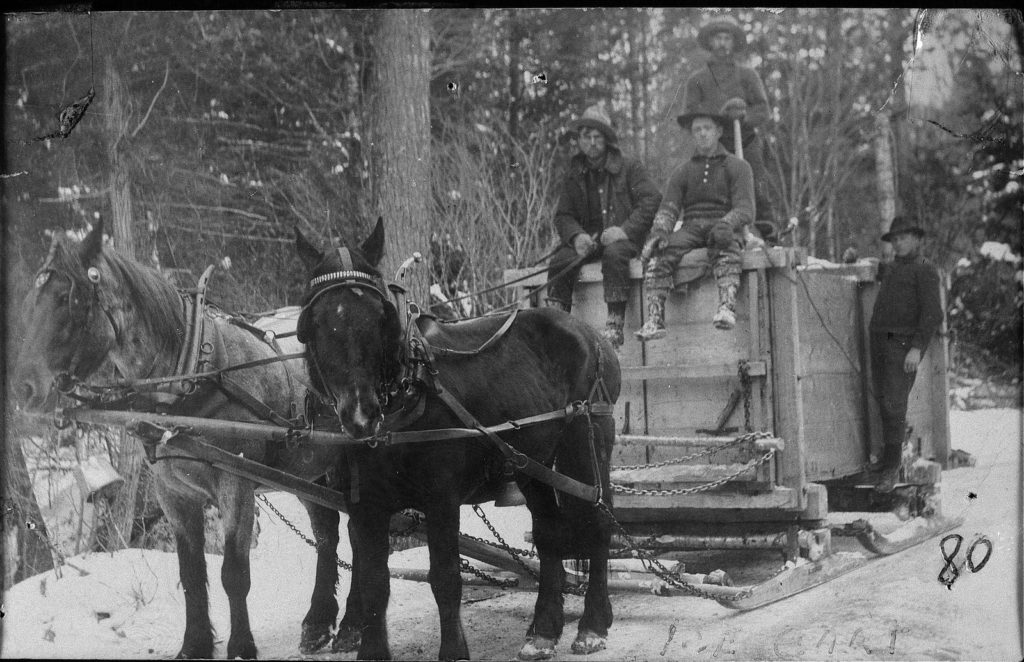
156	302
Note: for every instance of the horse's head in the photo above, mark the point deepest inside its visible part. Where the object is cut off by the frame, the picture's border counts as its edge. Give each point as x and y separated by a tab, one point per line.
351	330
92	308
67	329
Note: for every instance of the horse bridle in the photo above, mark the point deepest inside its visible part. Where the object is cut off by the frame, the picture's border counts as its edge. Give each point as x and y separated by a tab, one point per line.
65	379
346	278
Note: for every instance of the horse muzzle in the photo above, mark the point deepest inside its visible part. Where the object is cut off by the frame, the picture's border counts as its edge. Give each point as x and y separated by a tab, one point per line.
360	417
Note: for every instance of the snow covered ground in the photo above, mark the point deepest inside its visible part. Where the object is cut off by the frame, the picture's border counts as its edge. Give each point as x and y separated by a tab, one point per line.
129	604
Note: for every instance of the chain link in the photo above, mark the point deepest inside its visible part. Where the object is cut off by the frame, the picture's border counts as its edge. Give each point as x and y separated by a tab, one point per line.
688	458
622	489
661	571
315	545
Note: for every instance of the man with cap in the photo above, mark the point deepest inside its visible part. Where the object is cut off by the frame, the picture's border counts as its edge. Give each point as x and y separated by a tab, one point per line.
736	92
906	316
604	211
708	201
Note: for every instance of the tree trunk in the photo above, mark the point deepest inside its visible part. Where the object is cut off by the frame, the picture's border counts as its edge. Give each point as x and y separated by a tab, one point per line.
401	141
115	113
633	21
884	170
515	76
26	552
645	106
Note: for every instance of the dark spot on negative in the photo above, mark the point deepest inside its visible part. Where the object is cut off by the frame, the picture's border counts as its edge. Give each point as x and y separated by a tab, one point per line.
972	495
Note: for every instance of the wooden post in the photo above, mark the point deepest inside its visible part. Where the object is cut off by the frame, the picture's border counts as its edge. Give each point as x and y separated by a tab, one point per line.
787	372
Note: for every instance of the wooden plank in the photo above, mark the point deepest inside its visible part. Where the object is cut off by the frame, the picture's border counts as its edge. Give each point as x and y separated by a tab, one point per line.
787	371
834	426
776	257
682	473
639	508
691	371
938	351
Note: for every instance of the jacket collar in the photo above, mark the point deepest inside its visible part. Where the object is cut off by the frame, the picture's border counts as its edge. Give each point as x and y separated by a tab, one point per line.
612	161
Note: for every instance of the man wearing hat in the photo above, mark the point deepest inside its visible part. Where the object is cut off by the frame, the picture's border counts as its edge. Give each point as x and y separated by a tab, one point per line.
710	198
737	93
604	211
907	314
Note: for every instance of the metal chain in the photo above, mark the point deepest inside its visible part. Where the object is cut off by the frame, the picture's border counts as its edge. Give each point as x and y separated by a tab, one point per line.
661	571
621	489
695	456
516	554
315	545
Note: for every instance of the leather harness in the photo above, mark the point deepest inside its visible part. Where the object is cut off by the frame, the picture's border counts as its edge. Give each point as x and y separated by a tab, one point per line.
420	377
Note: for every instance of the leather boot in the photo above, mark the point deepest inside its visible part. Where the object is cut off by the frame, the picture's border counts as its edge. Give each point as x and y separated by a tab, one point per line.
613	329
725	318
892	458
559	304
654	327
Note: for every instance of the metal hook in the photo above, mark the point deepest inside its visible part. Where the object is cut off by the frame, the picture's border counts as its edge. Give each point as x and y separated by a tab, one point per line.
416	257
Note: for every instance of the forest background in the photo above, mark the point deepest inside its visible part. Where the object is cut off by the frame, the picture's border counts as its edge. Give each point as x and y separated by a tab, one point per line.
213	134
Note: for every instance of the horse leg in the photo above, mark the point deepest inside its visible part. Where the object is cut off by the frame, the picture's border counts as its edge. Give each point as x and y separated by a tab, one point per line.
445	580
592	634
238	508
350	628
187	517
369	528
592	531
548	619
323	605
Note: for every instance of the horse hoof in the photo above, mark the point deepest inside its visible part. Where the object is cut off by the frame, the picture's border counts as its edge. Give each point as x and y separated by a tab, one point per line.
537	648
588	642
243	649
314	637
346	640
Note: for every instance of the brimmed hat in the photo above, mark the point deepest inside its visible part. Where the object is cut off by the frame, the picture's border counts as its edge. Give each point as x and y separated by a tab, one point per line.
900	225
686	120
595	118
722	23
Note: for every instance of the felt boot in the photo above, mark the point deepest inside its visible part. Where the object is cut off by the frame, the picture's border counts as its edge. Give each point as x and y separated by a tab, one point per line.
654	327
725	318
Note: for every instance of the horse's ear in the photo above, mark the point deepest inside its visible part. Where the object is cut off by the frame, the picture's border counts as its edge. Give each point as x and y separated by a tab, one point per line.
373	247
309	254
92	245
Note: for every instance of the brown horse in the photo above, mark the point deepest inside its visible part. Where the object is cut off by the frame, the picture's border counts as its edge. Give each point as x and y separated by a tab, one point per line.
537	363
92	307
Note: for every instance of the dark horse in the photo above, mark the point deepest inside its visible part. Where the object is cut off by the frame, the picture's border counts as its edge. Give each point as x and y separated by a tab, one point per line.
91	307
358	353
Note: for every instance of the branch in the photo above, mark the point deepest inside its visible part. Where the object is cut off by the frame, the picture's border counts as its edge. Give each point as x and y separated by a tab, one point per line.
167	71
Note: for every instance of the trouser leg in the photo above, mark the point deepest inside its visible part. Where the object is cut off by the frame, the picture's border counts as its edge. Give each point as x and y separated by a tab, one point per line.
659	276
559	294
726	265
892	385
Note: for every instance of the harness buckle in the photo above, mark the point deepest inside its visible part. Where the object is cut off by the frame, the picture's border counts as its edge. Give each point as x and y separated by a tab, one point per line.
518	460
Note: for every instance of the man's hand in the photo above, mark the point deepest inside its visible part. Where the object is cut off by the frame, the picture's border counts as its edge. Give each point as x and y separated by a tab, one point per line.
613	234
584	244
912	359
654	244
735	108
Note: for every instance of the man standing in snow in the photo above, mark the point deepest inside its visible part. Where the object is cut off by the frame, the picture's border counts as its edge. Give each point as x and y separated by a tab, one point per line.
906	316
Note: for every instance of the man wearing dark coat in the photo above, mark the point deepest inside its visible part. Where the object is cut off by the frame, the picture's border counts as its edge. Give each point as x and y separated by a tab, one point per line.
605	209
905	318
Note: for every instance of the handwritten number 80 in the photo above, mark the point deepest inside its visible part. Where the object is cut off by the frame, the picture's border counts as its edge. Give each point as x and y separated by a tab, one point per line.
950	572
